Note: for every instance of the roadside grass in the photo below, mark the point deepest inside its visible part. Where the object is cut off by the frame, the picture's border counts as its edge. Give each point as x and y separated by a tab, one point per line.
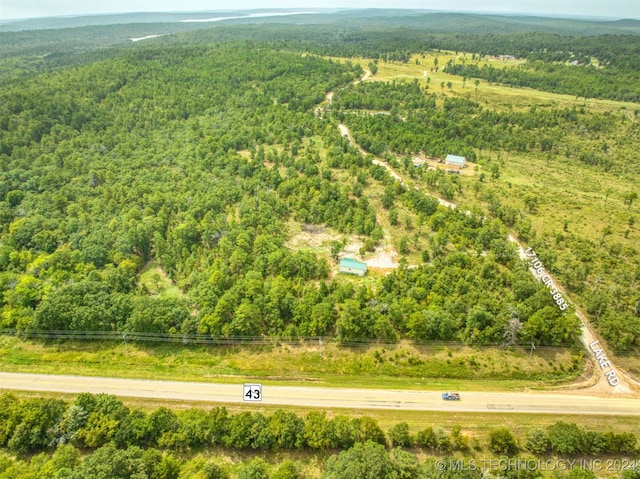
395	366
629	362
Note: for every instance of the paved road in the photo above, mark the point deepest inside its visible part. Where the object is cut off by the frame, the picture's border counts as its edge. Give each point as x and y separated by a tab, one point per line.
328	398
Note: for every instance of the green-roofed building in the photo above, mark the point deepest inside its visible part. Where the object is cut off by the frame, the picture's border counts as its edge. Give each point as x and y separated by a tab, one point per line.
351	266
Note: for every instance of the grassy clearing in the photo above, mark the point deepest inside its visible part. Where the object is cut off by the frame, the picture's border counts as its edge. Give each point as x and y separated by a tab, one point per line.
402	365
155	280
496	95
313	238
566	193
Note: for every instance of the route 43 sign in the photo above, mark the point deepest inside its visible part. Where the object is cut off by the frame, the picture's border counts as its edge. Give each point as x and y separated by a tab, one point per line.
252	392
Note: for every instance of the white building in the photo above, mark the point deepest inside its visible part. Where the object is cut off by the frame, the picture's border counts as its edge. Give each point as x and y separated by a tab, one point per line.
455	161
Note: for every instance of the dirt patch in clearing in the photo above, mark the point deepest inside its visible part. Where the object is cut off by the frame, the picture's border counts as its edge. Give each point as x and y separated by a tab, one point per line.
314	237
382	257
319	238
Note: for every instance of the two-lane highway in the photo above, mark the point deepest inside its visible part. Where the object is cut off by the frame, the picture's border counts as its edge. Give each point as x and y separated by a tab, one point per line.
328	398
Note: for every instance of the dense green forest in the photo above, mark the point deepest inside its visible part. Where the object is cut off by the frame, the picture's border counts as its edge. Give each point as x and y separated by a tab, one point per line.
200	150
386	35
112	164
97	436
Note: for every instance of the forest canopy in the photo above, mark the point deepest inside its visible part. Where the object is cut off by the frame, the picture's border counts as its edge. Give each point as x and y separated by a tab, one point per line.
196	153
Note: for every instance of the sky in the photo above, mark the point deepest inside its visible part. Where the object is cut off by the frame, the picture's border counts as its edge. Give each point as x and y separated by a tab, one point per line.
580	8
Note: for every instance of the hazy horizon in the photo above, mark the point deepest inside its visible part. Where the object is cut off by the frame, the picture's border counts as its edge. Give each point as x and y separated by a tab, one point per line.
26	9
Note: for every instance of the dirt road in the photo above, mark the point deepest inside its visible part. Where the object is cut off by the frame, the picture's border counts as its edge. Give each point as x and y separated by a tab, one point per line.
344	131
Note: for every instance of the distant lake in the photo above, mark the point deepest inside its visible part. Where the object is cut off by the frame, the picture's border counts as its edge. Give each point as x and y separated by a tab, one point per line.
251	15
148	37
218	19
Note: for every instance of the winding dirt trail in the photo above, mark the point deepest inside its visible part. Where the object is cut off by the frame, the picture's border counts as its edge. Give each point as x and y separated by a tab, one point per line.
367	74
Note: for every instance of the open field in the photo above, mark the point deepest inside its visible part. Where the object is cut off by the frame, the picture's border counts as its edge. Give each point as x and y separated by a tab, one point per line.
496	95
567	191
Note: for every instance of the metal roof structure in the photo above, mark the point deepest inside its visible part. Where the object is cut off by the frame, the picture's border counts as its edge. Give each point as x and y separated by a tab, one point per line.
455	160
350	265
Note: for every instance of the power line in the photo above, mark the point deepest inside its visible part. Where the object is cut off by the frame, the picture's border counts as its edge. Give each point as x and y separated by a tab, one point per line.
132	336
